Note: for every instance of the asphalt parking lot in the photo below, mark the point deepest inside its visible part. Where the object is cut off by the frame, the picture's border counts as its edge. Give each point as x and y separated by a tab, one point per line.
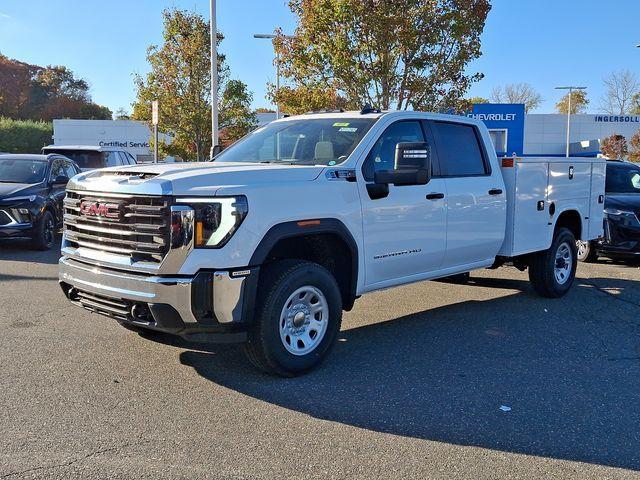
414	388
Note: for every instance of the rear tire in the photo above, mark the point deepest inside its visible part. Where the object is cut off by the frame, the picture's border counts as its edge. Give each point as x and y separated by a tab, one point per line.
553	271
297	320
44	232
586	251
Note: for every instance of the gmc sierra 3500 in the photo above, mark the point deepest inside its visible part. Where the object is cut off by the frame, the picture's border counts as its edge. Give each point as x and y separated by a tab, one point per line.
284	230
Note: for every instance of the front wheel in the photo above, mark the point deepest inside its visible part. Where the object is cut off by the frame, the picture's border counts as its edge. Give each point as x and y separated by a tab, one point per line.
298	316
553	271
586	251
44	232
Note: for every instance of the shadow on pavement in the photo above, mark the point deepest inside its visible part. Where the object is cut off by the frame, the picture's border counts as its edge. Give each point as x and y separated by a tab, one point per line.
21	251
443	375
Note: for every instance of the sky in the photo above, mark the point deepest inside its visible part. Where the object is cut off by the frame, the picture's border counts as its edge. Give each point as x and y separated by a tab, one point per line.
543	42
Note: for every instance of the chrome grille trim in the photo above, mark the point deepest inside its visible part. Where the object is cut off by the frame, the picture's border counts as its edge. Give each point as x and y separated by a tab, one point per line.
142	233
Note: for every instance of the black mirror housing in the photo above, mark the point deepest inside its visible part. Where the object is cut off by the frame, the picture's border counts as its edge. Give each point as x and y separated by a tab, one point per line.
61	180
412	165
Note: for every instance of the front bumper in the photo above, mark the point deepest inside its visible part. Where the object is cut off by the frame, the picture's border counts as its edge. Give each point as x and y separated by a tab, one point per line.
210	306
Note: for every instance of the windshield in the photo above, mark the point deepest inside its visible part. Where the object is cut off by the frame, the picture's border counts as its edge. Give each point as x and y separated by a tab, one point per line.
623	180
300	142
22	171
84	158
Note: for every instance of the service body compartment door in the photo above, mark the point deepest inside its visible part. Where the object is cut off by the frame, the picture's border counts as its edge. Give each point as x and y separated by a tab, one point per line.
569	180
596	211
527	207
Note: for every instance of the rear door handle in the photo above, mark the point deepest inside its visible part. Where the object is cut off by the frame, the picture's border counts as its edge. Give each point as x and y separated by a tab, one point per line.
435	196
495	191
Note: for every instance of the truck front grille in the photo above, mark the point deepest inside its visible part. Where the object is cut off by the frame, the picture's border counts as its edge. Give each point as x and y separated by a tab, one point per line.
130	225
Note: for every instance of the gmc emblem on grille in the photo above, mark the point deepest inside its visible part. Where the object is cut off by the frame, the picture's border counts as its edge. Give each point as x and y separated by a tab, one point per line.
98	209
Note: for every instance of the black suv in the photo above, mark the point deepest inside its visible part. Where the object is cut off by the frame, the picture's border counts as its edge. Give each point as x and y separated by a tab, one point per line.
621	215
32	189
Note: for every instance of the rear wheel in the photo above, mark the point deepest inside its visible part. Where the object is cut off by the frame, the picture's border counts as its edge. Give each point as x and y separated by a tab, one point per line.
44	232
586	251
553	271
298	316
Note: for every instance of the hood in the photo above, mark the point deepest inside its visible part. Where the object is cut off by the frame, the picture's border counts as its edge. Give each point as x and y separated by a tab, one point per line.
16	189
623	201
204	178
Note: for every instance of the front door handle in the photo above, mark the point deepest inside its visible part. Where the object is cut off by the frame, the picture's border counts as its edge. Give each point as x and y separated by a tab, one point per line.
435	196
495	191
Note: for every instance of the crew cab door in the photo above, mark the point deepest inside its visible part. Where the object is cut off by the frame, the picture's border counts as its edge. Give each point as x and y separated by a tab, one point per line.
404	232
476	198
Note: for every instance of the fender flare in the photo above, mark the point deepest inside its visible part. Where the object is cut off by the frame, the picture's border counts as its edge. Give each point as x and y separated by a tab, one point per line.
301	228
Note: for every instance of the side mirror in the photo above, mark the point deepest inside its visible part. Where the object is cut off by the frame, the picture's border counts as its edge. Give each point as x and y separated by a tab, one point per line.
61	180
412	165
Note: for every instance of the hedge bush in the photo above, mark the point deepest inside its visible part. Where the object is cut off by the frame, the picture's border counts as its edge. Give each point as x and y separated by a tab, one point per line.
24	136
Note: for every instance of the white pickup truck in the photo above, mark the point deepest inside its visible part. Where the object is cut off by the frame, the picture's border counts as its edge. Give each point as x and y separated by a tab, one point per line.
269	243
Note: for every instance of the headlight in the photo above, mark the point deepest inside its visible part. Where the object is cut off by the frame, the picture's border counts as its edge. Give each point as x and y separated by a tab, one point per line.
625	217
216	219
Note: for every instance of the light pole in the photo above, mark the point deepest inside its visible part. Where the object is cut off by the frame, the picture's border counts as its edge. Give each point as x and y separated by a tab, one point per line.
272	36
213	34
571	89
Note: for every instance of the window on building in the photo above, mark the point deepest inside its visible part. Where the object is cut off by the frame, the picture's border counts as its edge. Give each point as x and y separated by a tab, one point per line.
458	149
499	139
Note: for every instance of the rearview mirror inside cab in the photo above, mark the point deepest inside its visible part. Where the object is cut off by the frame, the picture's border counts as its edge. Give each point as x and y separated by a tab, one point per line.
412	165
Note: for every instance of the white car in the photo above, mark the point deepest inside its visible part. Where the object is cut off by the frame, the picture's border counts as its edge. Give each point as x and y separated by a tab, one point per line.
91	157
269	243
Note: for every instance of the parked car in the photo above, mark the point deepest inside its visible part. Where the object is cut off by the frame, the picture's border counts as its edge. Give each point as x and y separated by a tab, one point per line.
32	188
269	243
91	157
621	216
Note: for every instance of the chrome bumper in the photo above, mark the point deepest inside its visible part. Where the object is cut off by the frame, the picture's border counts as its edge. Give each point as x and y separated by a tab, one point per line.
227	295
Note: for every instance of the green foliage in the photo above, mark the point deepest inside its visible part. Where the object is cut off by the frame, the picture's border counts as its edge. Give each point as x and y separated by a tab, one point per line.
24	136
180	81
44	93
391	54
579	102
614	147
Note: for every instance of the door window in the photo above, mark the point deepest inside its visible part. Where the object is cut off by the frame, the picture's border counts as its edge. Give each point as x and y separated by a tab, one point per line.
112	159
57	169
69	169
459	149
382	155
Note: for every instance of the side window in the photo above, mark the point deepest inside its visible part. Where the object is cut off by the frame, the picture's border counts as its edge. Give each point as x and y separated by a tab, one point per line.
458	149
69	169
112	159
381	156
123	159
132	161
57	169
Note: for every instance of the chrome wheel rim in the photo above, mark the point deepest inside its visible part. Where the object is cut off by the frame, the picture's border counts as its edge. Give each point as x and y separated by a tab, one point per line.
303	320
582	248
563	263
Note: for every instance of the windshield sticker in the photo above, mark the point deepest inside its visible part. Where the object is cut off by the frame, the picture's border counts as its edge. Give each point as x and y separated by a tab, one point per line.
332	162
341	124
348	129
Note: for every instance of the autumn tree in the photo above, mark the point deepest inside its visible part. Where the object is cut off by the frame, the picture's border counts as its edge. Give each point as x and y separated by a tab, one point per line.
579	102
401	54
44	93
635	104
621	87
517	93
614	147
180	81
634	151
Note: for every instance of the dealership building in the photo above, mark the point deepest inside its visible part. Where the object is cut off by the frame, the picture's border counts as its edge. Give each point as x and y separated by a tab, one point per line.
535	134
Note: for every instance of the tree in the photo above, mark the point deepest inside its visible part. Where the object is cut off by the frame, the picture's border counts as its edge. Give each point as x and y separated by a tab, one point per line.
401	54
621	87
517	93
122	114
236	117
579	102
180	81
635	104
614	147
44	93
634	151
264	110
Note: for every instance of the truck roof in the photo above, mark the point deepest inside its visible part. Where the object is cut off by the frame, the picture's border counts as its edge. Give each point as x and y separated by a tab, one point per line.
92	148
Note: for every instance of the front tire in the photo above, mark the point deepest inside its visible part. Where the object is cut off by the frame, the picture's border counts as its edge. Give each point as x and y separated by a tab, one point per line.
553	271
586	251
44	232
298	317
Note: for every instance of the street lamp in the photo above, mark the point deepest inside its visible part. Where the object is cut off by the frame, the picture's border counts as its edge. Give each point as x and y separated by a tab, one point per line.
571	89
213	34
272	36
